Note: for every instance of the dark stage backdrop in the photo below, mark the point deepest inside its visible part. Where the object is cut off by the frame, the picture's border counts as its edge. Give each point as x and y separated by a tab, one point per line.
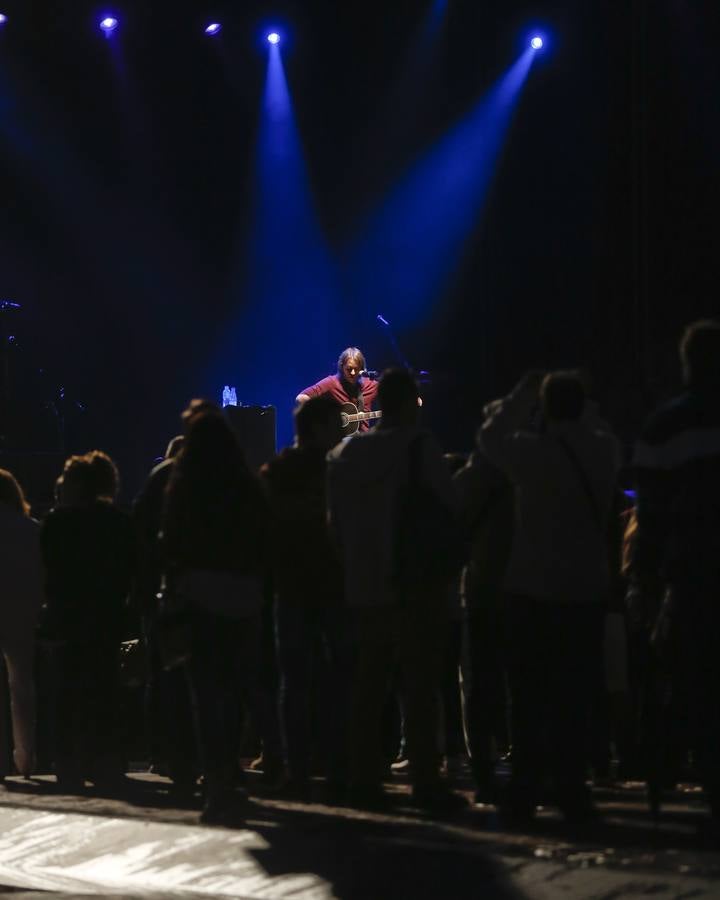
126	178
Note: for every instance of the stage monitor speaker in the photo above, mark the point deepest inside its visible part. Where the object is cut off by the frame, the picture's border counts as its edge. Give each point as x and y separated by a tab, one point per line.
255	429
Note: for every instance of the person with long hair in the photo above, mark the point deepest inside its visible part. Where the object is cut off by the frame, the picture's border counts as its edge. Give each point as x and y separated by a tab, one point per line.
215	544
347	385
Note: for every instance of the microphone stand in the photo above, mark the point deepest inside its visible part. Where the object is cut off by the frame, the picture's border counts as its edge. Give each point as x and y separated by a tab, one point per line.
57	403
422	376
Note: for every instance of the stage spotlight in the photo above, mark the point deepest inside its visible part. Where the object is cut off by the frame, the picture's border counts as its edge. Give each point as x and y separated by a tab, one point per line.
3	18
213	29
273	38
537	42
109	24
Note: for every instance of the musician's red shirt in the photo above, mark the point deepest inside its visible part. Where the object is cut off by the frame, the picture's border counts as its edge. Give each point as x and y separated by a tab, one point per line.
333	385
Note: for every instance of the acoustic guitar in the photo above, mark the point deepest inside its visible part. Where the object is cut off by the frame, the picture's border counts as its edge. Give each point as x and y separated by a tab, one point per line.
350	418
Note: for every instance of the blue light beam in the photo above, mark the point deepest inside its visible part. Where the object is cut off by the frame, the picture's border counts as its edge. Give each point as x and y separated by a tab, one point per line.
406	101
287	331
409	248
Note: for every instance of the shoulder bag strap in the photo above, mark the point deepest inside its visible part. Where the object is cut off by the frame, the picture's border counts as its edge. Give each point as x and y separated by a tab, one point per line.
584	481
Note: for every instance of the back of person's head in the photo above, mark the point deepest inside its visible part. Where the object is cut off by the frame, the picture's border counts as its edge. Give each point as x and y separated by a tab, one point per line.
210	449
106	475
317	422
562	396
398	395
210	478
77	486
198	407
351	353
11	494
700	353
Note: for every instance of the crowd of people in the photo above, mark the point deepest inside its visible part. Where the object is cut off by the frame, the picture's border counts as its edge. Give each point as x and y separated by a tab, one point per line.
367	600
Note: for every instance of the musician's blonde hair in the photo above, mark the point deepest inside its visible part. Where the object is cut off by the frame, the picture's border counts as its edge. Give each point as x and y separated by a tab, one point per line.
350	353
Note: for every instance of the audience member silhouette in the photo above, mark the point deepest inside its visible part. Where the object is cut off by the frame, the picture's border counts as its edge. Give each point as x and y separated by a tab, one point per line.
311	628
676	563
453	732
167	711
88	550
21	595
488	507
366	478
215	544
557	581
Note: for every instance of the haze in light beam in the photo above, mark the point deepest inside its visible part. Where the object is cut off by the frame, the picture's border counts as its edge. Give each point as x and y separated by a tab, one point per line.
287	334
408	250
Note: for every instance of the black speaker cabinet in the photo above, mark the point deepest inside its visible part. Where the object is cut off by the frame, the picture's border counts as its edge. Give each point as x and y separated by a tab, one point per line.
255	429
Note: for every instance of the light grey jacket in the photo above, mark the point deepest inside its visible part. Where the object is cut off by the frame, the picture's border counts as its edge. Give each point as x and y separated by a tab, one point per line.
559	551
366	474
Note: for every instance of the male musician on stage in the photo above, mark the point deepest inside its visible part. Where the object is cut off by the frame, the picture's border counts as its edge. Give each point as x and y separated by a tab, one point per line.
348	385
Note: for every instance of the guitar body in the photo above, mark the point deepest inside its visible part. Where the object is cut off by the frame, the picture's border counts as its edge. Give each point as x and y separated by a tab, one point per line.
350	418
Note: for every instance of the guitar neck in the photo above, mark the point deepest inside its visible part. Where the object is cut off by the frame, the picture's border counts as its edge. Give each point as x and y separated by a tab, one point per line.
364	416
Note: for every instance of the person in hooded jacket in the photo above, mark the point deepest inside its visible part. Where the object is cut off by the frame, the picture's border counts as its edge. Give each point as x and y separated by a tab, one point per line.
367	475
310	624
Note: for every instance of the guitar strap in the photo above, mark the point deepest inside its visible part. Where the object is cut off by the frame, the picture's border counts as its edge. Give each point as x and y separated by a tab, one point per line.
360	399
355	393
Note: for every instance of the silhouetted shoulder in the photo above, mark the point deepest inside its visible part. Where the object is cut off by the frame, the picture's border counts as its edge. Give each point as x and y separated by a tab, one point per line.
685	429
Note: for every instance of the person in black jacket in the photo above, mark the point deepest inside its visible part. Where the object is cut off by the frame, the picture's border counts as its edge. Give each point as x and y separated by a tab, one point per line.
310	619
88	551
676	564
488	506
167	709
